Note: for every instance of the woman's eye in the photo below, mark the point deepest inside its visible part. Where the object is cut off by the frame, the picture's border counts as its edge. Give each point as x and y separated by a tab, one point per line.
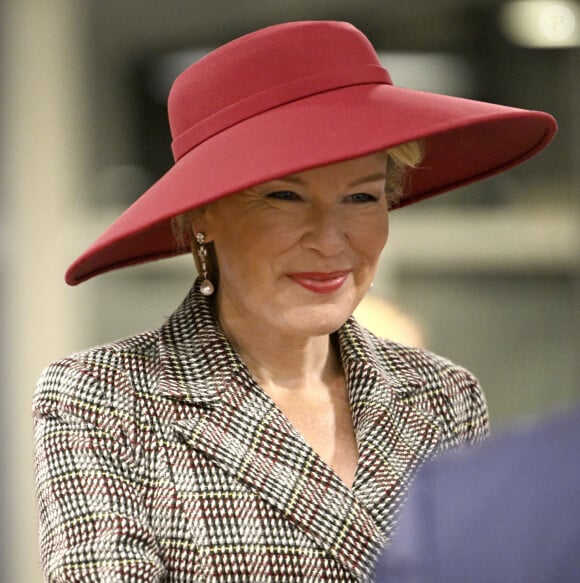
283	195
361	197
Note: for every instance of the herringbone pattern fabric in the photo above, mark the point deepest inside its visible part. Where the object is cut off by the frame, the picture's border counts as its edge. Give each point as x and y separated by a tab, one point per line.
160	459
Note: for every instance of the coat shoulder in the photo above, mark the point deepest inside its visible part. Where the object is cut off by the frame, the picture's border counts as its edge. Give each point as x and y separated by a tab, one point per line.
437	384
424	363
100	384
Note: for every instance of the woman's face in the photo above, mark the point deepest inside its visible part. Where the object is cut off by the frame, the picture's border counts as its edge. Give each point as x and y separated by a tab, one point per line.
296	255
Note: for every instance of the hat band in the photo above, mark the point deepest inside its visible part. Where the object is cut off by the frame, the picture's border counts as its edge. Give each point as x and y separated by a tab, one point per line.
274	97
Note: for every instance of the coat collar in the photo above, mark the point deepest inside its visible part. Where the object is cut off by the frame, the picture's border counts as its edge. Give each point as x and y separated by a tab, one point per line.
238	426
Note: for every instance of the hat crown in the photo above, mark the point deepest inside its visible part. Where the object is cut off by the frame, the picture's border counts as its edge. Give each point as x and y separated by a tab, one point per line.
266	66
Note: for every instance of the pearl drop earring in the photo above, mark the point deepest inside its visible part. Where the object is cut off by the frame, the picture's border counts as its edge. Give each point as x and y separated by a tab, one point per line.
206	288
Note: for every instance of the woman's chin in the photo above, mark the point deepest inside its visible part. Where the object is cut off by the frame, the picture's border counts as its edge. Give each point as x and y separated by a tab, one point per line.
317	320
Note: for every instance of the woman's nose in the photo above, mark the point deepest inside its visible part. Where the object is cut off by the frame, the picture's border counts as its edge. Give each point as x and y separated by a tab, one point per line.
325	232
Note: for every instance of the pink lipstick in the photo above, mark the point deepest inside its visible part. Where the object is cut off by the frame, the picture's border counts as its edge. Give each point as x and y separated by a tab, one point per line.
320	283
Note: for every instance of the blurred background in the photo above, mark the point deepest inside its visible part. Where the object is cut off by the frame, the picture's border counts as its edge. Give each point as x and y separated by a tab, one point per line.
488	275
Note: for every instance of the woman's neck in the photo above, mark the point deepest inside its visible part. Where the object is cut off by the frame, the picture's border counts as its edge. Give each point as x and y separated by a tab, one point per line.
289	362
303	376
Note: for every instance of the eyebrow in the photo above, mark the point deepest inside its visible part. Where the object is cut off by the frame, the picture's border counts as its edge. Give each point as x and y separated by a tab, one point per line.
363	180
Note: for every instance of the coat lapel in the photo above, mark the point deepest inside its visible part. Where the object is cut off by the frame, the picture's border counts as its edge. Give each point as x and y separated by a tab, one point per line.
394	436
254	442
232	422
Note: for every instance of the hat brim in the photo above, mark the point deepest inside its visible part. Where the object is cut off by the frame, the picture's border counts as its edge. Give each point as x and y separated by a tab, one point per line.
466	141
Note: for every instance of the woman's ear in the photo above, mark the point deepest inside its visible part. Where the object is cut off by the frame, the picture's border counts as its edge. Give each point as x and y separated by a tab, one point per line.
200	221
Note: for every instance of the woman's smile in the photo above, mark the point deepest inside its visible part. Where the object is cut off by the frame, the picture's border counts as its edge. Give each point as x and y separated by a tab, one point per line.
321	282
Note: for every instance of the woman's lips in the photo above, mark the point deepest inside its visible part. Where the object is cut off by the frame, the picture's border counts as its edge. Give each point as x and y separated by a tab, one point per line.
320	283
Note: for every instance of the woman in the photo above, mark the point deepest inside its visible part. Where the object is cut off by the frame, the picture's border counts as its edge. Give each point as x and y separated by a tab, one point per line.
261	434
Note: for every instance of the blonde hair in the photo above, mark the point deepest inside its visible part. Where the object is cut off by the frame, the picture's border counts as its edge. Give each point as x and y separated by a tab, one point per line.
401	160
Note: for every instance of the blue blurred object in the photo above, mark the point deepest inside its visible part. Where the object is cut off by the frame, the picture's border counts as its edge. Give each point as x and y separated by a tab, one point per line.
507	511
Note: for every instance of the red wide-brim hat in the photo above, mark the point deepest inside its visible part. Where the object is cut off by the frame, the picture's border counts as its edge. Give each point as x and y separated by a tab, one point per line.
296	96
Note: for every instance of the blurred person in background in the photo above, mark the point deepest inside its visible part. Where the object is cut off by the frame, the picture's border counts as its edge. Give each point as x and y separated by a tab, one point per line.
262	434
387	320
506	510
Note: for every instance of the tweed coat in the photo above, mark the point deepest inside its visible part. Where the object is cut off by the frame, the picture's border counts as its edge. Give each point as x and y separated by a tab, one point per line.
159	458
